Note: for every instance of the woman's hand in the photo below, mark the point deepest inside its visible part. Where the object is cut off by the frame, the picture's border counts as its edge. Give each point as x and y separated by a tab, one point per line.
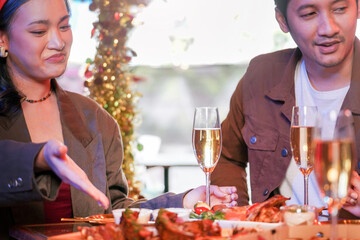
54	156
218	195
352	203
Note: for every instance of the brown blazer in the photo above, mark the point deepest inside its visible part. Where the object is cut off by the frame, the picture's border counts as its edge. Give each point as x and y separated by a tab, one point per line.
94	143
257	128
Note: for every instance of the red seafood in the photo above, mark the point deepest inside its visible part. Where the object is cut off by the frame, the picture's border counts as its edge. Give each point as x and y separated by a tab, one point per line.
268	211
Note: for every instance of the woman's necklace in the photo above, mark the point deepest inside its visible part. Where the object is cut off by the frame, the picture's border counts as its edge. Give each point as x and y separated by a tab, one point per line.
36	101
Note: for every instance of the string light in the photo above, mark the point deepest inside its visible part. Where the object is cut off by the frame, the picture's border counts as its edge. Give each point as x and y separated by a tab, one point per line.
111	63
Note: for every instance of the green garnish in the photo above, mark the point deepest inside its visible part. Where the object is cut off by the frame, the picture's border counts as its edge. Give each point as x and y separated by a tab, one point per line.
208	215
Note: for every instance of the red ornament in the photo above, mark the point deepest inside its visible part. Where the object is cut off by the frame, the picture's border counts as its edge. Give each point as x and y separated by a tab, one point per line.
127	59
92	32
138	79
88	74
117	16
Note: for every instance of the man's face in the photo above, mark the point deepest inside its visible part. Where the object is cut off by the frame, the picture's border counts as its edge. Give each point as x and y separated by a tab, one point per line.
324	30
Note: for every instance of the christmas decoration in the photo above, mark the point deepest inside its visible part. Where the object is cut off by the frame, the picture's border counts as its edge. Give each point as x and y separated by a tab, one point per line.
108	77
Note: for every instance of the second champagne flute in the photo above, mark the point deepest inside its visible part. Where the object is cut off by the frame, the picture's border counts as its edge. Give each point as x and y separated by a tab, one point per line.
334	159
207	141
302	124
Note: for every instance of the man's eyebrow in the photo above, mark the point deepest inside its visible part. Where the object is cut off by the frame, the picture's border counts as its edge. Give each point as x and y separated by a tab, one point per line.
313	5
305	6
46	22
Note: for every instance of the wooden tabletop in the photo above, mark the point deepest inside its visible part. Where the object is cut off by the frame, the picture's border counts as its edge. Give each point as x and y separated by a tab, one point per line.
53	231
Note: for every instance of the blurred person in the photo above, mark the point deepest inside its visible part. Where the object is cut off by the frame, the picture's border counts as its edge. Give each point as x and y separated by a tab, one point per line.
61	153
322	71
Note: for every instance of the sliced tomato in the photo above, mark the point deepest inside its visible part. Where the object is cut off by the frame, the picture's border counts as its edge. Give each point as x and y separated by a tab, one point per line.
199	210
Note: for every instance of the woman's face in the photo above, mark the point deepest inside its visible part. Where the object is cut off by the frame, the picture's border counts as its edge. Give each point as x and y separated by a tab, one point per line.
39	40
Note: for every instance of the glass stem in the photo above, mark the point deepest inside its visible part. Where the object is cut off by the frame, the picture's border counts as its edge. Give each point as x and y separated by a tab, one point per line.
207	174
334	219
306	189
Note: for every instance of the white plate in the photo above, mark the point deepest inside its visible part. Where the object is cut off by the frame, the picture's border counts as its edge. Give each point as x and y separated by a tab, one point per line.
182	213
247	224
144	214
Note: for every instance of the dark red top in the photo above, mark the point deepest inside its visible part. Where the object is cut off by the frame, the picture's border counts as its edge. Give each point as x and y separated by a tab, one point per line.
61	207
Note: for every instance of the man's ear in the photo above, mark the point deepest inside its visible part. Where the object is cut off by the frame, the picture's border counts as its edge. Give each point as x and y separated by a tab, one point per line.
280	18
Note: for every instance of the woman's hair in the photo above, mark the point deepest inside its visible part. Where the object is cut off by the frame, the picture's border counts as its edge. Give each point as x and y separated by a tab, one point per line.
9	96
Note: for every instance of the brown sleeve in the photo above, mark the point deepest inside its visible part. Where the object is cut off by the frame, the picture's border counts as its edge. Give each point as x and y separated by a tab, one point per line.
19	184
230	170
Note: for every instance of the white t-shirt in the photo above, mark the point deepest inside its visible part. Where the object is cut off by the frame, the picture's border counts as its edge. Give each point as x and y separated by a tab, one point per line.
306	95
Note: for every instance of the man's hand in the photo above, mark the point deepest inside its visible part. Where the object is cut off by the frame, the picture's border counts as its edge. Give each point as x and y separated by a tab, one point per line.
54	156
352	203
218	195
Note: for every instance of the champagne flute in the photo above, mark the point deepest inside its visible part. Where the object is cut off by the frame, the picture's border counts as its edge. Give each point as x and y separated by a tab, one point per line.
302	124
334	155
207	141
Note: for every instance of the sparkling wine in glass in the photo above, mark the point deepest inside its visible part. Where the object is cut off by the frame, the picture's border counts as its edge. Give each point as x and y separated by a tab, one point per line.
334	157
207	141
302	124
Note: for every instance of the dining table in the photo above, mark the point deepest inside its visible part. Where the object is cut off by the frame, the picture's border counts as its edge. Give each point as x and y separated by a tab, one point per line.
348	229
51	231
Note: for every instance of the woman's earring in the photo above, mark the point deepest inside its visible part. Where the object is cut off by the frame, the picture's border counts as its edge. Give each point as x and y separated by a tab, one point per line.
3	52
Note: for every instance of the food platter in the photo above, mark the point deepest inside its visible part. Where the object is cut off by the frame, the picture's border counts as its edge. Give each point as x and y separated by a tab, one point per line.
259	221
169	225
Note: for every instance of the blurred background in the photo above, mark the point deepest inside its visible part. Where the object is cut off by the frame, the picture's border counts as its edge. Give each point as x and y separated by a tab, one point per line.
189	53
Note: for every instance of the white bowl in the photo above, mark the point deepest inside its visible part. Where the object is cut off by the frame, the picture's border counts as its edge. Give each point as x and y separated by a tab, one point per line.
182	213
298	215
144	214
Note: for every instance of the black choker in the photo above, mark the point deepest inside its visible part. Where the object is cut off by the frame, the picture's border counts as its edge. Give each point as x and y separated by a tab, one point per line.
36	101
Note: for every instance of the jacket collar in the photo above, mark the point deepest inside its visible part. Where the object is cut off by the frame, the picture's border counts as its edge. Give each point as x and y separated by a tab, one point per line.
284	91
72	117
352	98
8	121
69	114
